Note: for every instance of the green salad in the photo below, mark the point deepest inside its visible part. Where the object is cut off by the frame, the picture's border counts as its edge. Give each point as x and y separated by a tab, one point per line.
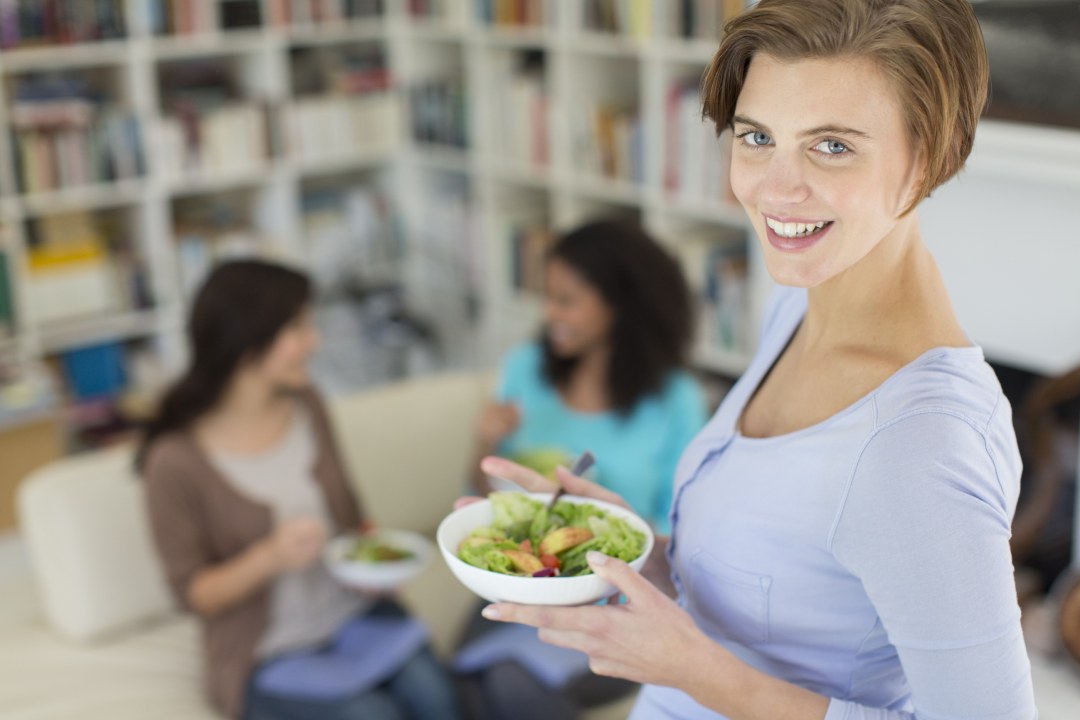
526	539
373	550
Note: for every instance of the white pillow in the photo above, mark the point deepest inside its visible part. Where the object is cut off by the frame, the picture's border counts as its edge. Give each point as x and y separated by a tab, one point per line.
86	528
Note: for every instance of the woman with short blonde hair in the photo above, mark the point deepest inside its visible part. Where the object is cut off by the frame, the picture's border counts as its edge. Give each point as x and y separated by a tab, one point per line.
840	539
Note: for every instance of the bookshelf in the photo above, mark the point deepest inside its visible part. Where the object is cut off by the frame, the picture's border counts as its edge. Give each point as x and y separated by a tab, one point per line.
436	143
432	144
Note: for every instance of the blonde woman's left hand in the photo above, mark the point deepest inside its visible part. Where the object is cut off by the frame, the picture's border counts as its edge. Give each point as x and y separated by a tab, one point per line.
647	639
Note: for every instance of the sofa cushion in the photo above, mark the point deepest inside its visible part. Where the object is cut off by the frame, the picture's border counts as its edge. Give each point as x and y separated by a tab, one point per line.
409	446
88	536
151	674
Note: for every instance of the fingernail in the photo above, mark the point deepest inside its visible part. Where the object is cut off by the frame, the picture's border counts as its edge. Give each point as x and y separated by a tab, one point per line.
595	558
490	612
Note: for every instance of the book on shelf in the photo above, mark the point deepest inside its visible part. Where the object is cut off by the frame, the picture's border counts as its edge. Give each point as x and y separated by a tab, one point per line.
59	22
701	19
696	162
309	12
609	143
717	265
529	240
181	17
240	14
209	127
346	103
69	270
65	136
200	17
84	264
632	18
520	101
439	112
451	12
94	372
333	127
513	13
7	307
341	70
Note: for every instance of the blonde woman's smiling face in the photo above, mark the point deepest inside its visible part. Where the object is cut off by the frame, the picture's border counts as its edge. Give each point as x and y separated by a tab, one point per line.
822	162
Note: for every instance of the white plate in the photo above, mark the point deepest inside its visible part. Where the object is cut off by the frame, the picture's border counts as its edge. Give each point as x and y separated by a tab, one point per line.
378	575
496	587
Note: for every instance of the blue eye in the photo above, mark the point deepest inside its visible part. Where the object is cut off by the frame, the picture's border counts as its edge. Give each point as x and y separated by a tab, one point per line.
832	147
755	138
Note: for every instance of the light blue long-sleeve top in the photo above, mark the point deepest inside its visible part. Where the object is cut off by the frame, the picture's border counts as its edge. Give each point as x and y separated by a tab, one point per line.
867	557
636	453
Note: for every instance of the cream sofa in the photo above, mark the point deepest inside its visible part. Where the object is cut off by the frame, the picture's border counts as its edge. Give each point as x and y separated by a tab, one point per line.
92	633
97	636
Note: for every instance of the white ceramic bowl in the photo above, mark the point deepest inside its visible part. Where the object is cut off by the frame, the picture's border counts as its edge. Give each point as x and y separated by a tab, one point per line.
378	575
496	587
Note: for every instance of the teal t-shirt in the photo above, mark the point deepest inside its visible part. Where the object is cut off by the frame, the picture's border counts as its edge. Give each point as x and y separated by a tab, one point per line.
636	454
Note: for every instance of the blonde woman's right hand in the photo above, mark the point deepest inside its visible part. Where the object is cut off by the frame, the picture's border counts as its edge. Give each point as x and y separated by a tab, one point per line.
496	422
297	543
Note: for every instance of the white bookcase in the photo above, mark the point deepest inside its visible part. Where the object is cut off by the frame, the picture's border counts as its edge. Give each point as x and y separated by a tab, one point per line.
573	72
504	77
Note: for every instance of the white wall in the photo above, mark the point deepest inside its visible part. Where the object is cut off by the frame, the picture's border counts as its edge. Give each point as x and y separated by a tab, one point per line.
1007	236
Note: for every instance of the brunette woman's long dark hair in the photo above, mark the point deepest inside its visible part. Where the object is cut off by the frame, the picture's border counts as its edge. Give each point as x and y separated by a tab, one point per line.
237	314
650	301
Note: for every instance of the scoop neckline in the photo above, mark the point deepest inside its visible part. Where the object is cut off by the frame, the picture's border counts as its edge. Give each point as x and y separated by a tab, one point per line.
297	424
931	353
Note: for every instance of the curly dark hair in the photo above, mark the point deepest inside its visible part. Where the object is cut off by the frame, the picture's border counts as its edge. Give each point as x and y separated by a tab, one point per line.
652	317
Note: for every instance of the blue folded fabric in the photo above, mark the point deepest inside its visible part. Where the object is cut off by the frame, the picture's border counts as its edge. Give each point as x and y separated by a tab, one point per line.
551	665
365	653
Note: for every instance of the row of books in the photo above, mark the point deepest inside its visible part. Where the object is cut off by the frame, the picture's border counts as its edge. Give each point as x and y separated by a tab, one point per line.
521	13
696	162
65	136
701	19
196	17
306	12
349	70
25	23
181	17
520	100
716	264
319	128
82	264
609	142
439	112
633	18
228	138
54	157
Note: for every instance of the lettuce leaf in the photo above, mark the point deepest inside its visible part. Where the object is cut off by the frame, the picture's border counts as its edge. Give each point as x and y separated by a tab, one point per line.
518	517
511	508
